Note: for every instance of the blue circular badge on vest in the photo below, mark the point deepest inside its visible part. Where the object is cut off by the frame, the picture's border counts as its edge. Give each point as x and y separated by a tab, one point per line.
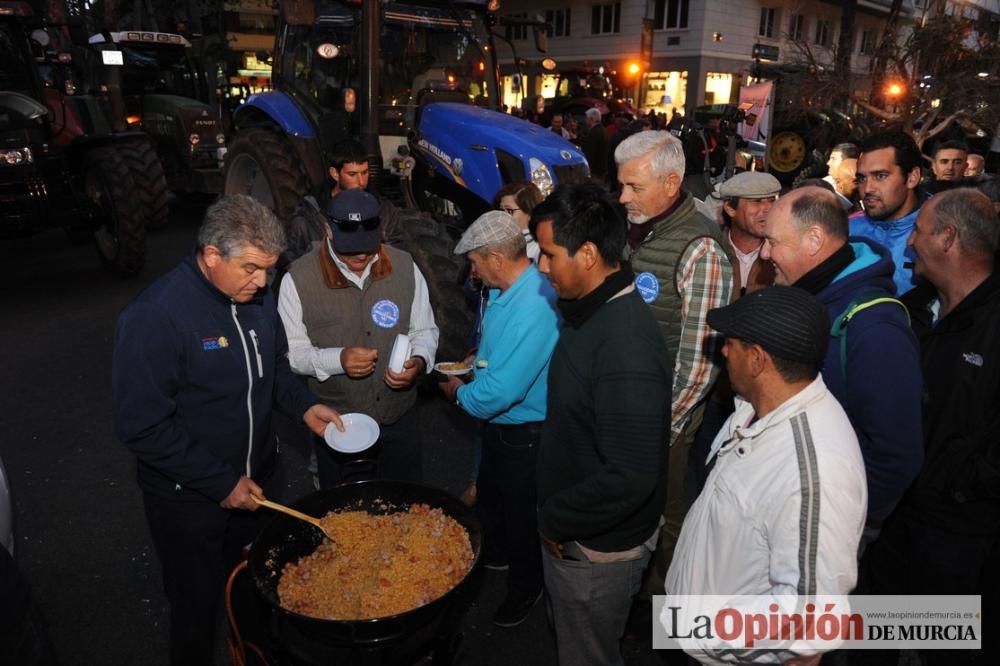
648	286
385	314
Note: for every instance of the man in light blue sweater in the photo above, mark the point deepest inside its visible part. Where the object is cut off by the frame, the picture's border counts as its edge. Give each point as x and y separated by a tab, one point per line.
508	393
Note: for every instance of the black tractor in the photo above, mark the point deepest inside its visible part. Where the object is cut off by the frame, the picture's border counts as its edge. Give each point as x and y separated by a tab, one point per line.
164	95
61	165
803	130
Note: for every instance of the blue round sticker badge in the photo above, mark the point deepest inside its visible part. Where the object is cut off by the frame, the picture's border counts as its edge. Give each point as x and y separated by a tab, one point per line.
385	314
648	286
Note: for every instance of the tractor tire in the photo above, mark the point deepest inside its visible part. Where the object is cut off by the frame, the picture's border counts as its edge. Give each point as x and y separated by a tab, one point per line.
150	182
121	239
433	253
262	164
435	244
814	166
787	154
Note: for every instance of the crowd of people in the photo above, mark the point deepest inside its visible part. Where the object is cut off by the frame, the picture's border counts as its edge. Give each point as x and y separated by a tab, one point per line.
797	397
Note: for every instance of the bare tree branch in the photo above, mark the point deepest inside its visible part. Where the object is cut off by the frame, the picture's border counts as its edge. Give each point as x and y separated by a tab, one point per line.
937	129
889	116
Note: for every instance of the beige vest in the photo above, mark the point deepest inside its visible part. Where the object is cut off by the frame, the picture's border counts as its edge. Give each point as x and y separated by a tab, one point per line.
338	314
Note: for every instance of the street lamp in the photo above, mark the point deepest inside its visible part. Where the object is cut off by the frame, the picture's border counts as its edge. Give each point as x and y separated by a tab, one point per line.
893	91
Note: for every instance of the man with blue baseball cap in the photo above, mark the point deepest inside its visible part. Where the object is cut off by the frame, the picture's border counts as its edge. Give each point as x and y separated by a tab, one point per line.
343	304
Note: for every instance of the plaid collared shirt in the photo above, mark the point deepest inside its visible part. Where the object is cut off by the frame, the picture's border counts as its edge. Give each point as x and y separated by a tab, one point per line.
705	281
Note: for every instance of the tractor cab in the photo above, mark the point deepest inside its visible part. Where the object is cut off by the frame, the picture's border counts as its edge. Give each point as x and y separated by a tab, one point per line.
158	90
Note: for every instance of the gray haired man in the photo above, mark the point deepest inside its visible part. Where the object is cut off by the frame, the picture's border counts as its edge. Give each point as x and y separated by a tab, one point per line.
942	538
200	361
683	270
594	144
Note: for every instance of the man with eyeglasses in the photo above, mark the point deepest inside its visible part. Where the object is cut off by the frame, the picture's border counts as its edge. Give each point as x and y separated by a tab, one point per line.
888	173
343	304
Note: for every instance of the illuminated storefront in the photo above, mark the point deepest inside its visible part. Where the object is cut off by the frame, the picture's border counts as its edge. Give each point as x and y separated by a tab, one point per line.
663	92
718	88
515	89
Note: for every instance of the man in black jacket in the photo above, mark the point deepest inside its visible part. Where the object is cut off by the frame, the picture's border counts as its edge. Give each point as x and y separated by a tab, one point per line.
941	536
602	466
199	364
348	170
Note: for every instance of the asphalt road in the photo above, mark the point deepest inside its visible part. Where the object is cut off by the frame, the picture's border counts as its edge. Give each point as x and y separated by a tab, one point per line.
81	537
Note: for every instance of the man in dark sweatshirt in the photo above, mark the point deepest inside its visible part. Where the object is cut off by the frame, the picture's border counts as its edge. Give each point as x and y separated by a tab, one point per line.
602	466
943	537
199	365
872	365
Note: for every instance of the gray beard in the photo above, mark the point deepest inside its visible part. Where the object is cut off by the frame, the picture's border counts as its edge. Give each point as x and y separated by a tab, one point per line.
639	219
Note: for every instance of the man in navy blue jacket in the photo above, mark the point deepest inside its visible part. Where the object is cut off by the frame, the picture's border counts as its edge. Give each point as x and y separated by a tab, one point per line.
199	363
874	371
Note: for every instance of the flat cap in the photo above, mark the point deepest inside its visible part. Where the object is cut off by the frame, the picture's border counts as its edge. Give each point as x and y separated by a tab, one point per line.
788	322
750	185
491	228
354	221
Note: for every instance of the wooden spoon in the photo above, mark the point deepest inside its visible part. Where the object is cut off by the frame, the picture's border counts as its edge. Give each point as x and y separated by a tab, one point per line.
292	512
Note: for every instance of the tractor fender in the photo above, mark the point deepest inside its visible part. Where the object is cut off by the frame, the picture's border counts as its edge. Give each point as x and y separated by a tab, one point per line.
279	108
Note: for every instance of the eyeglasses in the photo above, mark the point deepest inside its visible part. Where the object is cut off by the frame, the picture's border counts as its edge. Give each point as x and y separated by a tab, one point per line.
368	224
509	211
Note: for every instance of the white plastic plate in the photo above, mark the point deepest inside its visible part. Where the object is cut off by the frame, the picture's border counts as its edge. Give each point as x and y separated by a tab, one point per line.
360	432
440	367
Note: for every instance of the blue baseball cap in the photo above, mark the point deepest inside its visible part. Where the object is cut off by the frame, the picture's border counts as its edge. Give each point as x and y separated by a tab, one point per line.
354	222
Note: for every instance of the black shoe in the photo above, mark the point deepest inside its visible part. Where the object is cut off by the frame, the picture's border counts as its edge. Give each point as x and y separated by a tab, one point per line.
513	612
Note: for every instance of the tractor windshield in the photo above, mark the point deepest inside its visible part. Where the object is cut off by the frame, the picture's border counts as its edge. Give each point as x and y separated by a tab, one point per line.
15	61
432	54
163	70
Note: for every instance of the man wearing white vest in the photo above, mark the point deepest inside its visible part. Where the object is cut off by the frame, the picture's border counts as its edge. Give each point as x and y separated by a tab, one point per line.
343	304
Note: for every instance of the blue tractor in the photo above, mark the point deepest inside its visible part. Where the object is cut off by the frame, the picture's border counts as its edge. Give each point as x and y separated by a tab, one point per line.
416	81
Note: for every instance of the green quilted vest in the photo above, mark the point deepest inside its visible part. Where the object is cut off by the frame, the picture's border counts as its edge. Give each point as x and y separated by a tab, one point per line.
660	254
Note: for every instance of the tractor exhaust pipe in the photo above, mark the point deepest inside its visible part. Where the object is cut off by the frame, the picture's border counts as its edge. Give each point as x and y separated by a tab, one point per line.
369	92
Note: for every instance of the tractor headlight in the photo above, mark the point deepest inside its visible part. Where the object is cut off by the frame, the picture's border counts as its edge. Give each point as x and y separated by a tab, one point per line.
540	175
16	157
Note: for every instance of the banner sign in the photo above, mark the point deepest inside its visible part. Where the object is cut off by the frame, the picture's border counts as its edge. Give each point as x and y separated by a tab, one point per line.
789	625
757	100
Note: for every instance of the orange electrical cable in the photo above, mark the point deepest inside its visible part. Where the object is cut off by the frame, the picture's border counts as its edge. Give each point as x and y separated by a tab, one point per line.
238	648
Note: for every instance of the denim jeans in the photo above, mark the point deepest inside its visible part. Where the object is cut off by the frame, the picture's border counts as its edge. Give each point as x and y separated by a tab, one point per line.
507	504
590	603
